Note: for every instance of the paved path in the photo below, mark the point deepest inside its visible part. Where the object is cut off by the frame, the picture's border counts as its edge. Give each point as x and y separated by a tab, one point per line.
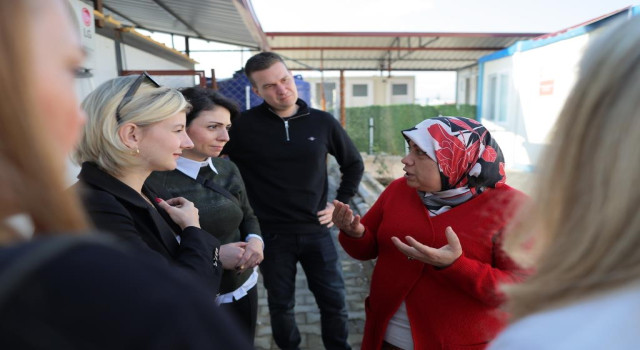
356	277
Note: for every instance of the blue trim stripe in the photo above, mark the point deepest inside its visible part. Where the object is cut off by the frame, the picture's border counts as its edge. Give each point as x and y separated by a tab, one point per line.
509	51
531	44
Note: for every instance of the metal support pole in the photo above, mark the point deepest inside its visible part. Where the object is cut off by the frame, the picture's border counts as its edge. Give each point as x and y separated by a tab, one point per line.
370	135
343	112
247	96
117	42
97	5
323	98
214	83
186	46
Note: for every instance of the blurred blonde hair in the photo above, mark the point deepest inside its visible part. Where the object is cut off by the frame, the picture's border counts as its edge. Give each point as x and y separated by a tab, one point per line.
583	228
100	142
31	173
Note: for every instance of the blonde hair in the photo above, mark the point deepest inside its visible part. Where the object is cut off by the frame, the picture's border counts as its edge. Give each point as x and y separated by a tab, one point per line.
31	173
583	227
100	142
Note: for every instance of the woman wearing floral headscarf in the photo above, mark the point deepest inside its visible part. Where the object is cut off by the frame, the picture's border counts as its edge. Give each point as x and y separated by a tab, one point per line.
436	235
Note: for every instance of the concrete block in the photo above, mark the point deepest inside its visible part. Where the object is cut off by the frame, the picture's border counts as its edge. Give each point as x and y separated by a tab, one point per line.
262	344
313	317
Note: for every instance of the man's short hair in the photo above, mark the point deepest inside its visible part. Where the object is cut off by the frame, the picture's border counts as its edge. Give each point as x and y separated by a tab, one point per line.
259	62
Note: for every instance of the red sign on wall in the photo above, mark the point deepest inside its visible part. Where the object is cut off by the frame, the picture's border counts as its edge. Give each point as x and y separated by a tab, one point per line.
546	87
86	16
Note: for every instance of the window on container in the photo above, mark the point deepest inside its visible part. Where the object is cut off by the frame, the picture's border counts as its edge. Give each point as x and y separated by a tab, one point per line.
504	93
467	90
399	89
491	96
498	97
360	90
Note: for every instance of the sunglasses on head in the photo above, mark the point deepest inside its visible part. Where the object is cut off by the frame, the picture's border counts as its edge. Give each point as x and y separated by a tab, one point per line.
132	91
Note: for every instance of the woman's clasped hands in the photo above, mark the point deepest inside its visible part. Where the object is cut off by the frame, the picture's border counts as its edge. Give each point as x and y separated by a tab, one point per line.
237	255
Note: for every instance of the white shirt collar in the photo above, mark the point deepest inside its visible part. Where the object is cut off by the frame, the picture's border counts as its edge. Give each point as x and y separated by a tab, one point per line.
192	167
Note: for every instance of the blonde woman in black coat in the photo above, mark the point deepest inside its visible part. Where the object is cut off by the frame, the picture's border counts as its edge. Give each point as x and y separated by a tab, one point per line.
134	127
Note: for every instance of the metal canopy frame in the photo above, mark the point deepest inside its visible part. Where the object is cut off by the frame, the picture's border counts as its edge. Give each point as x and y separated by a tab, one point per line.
234	22
388	50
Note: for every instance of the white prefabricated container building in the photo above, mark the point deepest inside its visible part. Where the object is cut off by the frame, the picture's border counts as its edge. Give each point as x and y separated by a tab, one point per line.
136	51
113	45
523	88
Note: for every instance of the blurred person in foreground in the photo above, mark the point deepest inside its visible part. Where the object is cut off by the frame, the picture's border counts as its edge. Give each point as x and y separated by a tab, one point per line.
67	288
436	234
582	233
216	188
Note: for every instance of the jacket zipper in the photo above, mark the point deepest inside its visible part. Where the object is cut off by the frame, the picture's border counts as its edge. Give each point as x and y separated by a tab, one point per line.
286	128
286	121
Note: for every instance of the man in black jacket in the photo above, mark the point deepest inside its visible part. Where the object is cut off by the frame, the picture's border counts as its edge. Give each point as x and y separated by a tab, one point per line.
281	150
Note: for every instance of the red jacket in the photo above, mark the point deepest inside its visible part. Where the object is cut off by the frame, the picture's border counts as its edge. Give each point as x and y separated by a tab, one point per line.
448	308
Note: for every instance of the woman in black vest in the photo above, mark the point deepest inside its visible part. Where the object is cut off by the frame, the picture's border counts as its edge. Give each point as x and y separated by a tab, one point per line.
215	186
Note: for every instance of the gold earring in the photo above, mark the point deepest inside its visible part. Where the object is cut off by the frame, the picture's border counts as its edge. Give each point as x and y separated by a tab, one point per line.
136	152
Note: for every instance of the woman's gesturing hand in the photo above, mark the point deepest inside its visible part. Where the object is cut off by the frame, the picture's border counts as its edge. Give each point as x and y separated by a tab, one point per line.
343	218
181	211
441	257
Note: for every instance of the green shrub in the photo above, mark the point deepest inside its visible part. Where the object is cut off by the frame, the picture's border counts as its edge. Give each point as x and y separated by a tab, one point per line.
389	121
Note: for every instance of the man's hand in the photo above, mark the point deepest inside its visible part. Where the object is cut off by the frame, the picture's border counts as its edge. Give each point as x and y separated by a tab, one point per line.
324	216
441	257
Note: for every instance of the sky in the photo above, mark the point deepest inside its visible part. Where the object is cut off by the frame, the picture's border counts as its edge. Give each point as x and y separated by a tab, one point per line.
487	16
430	15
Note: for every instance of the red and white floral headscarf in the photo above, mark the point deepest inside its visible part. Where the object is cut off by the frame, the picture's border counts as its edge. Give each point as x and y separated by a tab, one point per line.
468	158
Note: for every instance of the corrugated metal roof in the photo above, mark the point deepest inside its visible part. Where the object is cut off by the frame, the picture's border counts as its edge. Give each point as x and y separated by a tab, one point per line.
234	22
226	21
384	51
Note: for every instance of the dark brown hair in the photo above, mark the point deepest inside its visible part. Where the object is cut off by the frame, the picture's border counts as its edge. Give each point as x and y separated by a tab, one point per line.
202	99
259	62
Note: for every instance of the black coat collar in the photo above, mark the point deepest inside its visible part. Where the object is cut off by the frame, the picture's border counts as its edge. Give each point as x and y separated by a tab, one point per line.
93	176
